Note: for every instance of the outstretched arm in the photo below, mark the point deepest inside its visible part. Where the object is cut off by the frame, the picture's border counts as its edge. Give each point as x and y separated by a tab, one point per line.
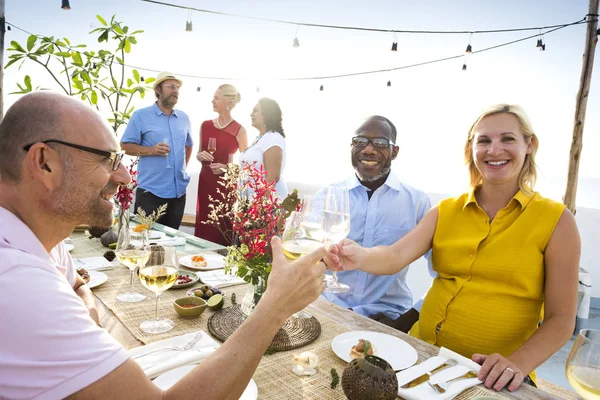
385	260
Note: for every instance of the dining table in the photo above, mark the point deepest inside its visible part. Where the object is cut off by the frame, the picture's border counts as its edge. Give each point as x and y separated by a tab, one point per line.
273	377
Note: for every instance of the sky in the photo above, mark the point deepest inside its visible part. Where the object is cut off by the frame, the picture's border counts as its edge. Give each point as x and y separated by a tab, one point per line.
432	106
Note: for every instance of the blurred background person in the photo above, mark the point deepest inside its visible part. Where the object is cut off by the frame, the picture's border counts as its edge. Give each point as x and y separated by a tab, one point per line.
220	138
268	149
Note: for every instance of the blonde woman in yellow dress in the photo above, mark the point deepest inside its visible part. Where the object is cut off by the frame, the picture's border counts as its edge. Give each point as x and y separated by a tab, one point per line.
506	258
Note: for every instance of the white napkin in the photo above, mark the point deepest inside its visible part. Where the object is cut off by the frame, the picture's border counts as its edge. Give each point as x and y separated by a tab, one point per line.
423	391
93	263
218	279
162	361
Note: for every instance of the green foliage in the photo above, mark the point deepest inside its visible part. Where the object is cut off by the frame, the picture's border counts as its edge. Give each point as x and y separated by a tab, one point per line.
97	77
335	378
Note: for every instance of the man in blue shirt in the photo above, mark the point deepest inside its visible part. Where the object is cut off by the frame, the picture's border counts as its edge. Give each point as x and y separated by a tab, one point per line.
382	210
161	137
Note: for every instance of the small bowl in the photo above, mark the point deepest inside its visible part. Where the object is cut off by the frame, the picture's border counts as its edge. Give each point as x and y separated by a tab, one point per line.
199	305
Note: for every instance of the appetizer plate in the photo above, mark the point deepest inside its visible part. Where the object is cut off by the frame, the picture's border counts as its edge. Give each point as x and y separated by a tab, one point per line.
394	350
213	261
96	279
189	274
168	379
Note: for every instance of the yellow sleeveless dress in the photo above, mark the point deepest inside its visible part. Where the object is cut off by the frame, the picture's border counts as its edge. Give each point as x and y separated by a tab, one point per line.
489	295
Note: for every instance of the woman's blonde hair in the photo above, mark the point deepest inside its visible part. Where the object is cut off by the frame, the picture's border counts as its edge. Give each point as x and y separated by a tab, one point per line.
231	94
528	174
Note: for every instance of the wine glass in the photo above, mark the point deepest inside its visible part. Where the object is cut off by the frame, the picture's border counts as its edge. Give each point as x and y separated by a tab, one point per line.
133	250
583	365
337	226
212	145
159	274
166	141
300	237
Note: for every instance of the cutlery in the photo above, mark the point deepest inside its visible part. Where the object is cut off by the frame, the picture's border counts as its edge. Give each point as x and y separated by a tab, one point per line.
426	376
443	386
185	347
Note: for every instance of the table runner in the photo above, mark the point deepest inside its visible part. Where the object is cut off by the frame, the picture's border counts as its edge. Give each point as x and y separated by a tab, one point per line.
273	376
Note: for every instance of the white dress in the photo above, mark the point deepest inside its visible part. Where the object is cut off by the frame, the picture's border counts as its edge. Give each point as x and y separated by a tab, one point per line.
255	153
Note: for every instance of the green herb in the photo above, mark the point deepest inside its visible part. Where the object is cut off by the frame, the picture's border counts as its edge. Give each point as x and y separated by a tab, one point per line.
335	378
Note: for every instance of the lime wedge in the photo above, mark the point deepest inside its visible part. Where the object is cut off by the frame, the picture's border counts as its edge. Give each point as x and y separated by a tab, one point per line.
216	302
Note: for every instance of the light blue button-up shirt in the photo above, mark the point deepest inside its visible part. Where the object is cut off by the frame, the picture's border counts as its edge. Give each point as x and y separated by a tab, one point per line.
148	127
394	209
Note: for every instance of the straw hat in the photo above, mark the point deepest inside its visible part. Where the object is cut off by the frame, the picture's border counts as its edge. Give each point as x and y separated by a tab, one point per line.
164	76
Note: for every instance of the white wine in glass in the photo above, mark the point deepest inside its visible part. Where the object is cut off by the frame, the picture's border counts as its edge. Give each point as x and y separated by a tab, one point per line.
159	274
166	141
583	365
212	145
133	250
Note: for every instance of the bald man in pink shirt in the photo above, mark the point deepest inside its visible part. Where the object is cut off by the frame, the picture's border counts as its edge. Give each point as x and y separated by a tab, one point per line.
60	166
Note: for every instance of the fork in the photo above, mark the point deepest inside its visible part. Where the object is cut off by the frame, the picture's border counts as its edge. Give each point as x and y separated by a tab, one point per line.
443	386
184	347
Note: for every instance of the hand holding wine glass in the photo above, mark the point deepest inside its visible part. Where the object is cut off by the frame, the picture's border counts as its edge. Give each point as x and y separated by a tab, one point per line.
133	250
166	141
159	274
583	365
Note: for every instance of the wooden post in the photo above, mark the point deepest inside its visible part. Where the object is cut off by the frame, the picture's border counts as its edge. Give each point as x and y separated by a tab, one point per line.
2	30
591	38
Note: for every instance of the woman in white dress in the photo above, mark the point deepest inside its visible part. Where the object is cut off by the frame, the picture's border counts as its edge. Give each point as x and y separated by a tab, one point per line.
268	149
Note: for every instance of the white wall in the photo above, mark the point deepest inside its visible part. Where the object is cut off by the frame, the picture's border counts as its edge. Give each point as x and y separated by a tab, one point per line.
588	221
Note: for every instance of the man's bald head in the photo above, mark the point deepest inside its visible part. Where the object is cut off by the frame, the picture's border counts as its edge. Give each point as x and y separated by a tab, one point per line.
33	118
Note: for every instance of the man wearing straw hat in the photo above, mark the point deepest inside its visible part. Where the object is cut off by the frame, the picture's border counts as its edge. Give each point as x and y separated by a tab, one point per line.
161	136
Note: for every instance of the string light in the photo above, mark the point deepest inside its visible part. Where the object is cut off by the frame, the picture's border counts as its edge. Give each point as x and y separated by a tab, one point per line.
188	22
395	43
419	64
464	67
8	28
321	88
296	41
469	49
389	83
65	5
142	78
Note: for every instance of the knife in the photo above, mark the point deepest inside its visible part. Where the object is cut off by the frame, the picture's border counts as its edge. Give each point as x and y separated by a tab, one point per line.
426	376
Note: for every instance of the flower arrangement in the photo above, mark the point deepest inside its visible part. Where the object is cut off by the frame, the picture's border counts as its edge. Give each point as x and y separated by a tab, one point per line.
125	194
249	214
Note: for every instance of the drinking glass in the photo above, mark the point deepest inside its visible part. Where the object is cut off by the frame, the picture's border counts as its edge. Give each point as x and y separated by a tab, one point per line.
298	240
337	226
166	141
583	365
212	145
159	274
133	250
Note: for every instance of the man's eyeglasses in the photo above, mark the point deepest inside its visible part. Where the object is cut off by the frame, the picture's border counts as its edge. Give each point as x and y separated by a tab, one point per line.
172	86
114	156
378	143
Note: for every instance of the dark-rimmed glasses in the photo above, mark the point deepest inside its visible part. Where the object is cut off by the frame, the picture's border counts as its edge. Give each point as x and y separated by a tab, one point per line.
114	156
378	142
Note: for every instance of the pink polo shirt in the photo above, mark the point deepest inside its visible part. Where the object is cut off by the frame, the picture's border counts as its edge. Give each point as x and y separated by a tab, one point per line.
49	346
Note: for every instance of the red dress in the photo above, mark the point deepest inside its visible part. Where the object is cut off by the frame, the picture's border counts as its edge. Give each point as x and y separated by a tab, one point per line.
208	182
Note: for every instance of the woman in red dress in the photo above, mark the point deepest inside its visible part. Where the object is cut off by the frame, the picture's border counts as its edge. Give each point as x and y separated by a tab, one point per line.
230	137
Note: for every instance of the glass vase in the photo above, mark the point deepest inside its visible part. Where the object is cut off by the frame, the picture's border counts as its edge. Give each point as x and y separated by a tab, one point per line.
122	218
252	297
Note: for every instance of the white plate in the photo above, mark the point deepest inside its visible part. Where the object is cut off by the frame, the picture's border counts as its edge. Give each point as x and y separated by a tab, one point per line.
168	379
69	247
213	261
394	350
96	279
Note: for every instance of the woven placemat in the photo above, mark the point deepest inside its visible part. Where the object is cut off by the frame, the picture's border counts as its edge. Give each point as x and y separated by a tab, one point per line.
296	332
